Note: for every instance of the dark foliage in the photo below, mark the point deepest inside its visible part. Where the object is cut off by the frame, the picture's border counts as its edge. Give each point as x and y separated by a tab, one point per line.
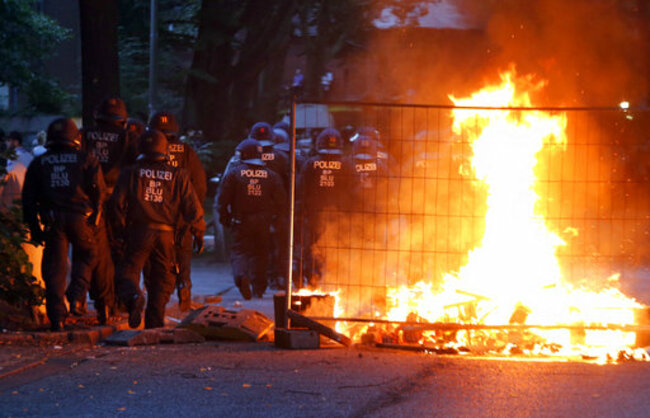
18	287
27	38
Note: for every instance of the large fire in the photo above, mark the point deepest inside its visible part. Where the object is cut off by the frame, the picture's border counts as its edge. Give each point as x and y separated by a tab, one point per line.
513	276
510	295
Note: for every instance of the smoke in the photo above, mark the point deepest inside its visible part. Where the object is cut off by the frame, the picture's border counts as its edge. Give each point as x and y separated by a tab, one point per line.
590	52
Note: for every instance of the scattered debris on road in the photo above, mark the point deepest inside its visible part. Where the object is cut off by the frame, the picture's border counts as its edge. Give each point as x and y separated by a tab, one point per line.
216	322
154	336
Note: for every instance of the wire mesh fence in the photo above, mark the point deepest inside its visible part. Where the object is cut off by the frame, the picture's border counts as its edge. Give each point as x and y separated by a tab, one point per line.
416	208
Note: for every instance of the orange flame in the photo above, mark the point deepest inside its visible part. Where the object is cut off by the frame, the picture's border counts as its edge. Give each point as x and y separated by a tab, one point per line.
514	268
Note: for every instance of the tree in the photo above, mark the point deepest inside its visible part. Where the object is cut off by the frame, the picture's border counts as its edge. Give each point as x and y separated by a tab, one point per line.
19	289
100	76
177	30
237	41
26	39
242	46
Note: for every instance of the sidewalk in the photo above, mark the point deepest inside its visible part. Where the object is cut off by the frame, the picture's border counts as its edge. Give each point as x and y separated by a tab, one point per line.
209	278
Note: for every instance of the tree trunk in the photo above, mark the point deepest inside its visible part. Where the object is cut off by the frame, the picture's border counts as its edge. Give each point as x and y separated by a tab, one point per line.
100	75
206	95
222	97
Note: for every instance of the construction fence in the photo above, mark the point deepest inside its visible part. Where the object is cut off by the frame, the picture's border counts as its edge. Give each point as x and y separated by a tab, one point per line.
420	216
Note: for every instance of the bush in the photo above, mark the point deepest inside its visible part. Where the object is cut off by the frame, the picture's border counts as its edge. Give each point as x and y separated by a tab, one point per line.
18	287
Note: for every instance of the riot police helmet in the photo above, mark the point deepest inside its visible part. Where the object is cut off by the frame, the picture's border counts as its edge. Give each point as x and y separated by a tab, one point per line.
111	110
153	145
249	151
365	148
63	132
166	123
281	141
280	136
284	126
329	141
262	132
135	126
369	132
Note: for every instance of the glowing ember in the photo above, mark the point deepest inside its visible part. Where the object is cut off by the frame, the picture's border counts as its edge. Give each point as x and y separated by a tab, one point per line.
513	276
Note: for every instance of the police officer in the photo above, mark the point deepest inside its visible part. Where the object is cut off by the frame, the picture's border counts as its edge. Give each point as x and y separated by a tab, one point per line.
109	140
371	176
250	199
382	152
324	186
273	158
278	161
182	155
148	200
64	190
115	147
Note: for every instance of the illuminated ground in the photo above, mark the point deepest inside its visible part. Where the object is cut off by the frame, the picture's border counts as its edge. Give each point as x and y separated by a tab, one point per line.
245	379
256	379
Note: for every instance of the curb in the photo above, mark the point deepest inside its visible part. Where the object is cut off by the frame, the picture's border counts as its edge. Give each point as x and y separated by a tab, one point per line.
90	336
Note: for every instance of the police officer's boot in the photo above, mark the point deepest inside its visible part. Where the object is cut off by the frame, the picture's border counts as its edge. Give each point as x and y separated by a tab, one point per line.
102	313
56	326
184	297
259	287
244	284
135	306
78	307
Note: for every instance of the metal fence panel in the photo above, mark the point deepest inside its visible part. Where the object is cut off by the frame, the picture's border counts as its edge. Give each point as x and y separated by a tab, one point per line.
421	218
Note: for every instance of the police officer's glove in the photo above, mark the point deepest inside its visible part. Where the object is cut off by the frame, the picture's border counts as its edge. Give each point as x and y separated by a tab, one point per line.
198	243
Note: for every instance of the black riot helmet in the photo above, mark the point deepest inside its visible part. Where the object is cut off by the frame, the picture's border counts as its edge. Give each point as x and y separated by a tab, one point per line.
281	140
369	132
63	132
166	123
153	145
249	151
136	126
284	126
112	110
280	136
262	132
329	142
365	148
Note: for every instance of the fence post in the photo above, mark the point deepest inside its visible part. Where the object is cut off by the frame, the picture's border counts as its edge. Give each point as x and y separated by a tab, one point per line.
292	210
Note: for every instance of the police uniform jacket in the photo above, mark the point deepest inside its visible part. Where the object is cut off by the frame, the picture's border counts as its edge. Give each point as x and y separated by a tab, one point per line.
183	156
113	146
278	162
62	179
370	183
154	194
325	181
250	190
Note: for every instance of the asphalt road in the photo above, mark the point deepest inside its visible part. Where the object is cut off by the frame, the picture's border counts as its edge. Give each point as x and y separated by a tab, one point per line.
257	380
220	379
